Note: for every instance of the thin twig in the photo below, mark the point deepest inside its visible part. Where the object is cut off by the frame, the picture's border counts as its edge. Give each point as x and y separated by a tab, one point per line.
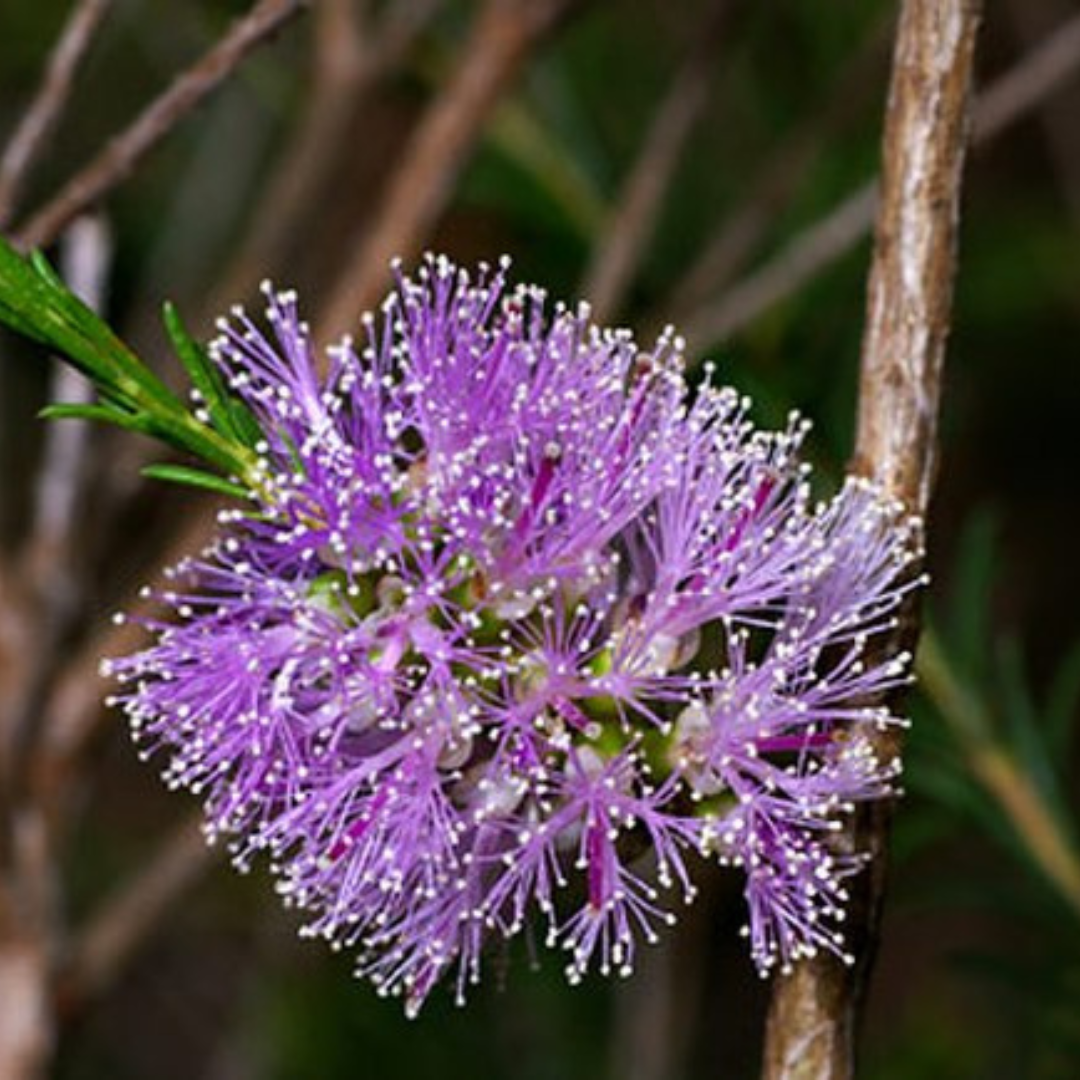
910	291
125	920
87	255
345	68
1010	98
502	37
37	589
633	219
41	584
1031	20
1030	82
40	119
816	247
38	603
814	1010
776	182
122	153
27	1029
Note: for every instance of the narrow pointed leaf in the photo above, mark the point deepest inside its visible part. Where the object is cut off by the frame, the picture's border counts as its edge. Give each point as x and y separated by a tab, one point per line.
180	474
45	270
99	414
226	412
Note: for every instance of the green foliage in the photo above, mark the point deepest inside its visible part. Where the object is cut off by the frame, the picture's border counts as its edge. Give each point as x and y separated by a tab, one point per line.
981	692
991	768
35	303
229	416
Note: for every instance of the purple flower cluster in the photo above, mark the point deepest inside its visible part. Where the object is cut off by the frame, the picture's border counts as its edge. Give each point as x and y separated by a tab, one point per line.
522	628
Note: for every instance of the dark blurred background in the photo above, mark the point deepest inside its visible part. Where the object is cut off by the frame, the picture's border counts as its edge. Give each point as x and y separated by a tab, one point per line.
774	114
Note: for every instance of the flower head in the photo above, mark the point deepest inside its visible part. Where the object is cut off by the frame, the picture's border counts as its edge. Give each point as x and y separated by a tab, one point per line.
524	626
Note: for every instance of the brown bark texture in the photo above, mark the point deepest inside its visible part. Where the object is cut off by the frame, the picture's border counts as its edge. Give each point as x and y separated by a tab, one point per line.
815	1009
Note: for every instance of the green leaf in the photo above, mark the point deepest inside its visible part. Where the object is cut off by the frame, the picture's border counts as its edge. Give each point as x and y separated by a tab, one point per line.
228	415
45	270
37	304
99	414
1028	733
181	474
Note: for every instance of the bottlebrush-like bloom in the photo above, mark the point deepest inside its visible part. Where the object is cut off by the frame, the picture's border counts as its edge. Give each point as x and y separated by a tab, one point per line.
522	628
